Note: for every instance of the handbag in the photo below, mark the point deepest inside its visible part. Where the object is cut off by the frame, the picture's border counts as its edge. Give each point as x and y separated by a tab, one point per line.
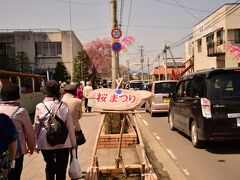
74	170
80	138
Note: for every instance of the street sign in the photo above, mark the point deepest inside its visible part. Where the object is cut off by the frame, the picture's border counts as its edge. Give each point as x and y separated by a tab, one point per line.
116	33
116	46
117	99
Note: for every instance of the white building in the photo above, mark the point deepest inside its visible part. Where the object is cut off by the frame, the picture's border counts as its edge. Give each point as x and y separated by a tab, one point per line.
43	48
212	36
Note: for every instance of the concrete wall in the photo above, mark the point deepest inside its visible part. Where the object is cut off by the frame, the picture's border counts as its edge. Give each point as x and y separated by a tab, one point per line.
76	47
30	100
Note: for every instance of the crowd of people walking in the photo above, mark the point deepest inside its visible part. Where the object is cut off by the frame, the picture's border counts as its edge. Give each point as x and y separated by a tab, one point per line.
19	136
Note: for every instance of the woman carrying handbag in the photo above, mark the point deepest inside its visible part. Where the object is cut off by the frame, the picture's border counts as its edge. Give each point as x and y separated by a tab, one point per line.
75	108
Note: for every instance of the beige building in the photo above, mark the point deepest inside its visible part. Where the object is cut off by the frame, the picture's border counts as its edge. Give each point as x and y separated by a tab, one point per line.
212	36
44	49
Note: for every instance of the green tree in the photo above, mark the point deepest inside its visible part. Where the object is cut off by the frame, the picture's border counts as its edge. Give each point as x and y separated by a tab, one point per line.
7	64
61	72
22	62
81	66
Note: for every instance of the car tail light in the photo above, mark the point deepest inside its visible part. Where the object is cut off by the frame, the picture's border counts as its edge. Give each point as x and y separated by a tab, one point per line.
206	108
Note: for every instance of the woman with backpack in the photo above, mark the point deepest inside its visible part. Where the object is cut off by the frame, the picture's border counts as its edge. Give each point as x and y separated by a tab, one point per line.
11	106
55	155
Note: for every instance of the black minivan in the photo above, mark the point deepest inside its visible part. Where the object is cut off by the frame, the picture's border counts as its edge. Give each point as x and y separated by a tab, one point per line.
206	105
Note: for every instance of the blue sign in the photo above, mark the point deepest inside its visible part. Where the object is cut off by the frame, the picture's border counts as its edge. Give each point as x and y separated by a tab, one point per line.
116	46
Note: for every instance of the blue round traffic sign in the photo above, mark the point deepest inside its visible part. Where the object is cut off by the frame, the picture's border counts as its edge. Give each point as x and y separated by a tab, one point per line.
116	46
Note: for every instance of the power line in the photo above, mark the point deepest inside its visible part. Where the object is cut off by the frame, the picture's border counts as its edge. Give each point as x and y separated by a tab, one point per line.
129	15
121	13
176	5
81	3
161	27
185	38
186	10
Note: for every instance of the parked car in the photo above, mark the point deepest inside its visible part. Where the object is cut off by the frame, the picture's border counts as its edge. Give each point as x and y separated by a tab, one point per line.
206	106
160	101
136	85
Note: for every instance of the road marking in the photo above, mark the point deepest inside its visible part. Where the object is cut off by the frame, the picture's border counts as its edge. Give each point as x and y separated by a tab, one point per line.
158	138
186	172
145	122
171	154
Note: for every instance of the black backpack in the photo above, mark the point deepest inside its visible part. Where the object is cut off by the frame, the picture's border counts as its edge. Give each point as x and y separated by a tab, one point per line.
57	131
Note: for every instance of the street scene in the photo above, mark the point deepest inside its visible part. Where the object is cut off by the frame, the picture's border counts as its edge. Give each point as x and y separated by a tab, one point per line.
115	89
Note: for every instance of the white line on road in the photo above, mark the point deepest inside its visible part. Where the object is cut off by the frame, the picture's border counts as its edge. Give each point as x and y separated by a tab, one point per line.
186	172
145	122
158	138
171	154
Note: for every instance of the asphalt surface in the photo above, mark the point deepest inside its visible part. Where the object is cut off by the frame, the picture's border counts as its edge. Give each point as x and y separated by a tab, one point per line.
217	161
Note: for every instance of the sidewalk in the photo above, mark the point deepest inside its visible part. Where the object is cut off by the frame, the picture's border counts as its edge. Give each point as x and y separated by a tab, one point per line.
34	165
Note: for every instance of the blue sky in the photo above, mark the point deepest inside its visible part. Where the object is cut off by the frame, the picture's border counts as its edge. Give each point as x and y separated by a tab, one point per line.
151	22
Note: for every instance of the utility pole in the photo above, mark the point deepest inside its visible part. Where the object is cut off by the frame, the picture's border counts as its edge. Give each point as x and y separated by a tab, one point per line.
70	47
115	57
165	58
141	59
148	70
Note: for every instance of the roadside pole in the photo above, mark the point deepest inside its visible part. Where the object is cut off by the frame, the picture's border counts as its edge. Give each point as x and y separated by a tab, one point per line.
114	54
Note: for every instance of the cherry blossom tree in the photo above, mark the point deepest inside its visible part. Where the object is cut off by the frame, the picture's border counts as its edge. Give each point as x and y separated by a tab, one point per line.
99	52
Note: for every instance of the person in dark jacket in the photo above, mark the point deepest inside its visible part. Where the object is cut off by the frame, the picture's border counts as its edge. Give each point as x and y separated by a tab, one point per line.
8	144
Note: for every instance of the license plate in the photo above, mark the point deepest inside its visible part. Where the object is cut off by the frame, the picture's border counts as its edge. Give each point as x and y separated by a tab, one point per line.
238	122
166	100
233	115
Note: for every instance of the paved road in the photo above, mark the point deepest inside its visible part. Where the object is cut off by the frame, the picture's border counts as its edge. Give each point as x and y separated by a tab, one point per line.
218	161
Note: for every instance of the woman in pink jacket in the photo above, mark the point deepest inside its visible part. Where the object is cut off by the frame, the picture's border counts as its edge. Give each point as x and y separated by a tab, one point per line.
56	157
11	106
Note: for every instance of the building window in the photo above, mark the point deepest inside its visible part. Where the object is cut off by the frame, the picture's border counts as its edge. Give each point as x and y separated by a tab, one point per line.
210	40
48	49
7	49
237	35
199	45
220	35
3	48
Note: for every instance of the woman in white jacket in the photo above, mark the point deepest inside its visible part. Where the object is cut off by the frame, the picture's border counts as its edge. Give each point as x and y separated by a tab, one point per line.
56	157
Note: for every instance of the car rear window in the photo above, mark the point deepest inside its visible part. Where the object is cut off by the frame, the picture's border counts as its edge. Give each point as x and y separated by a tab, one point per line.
224	86
165	87
136	85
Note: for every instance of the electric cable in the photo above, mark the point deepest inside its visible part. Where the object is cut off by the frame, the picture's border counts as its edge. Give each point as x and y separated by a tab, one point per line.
185	38
129	15
186	10
172	4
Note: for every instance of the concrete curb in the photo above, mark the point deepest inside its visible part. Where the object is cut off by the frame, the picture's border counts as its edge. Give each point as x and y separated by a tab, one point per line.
164	165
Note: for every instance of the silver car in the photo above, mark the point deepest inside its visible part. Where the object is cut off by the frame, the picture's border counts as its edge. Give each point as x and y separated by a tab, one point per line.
160	102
